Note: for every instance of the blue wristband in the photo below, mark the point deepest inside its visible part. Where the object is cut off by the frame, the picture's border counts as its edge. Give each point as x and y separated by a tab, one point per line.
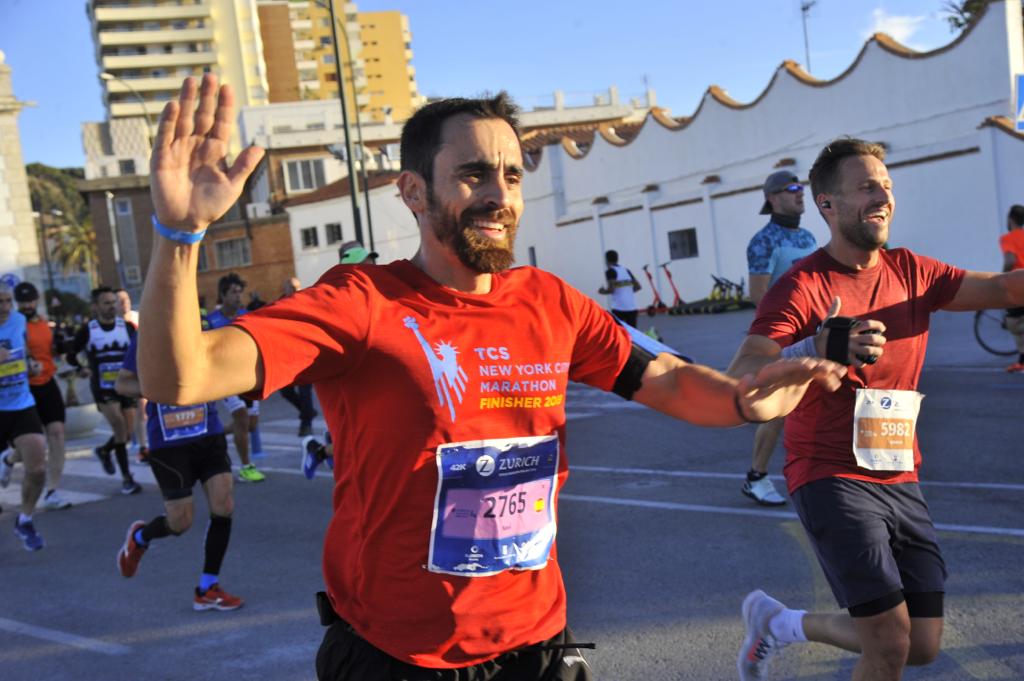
176	234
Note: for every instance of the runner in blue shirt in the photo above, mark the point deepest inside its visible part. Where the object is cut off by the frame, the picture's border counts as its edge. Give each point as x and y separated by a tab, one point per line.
186	445
770	253
244	412
19	422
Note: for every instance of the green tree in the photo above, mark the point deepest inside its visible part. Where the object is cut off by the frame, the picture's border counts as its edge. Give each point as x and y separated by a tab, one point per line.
57	189
76	248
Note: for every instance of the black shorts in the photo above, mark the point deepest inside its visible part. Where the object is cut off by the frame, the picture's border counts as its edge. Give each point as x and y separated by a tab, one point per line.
872	540
14	424
178	468
344	656
102	396
49	402
1015	312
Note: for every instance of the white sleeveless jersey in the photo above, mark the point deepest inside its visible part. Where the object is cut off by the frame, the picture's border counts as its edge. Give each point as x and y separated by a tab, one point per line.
622	296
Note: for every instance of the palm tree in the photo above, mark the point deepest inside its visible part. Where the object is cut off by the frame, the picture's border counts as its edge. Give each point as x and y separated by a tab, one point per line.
76	248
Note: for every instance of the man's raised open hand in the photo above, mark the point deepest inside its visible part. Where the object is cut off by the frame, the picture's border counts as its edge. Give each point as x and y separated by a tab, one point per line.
191	183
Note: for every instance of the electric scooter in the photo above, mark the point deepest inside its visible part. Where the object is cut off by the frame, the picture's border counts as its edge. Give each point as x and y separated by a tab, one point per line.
676	307
657	305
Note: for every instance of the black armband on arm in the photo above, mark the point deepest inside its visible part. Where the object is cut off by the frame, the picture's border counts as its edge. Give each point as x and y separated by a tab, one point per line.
631	376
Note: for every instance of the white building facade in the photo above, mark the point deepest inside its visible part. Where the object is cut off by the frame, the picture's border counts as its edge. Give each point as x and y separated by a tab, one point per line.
687	192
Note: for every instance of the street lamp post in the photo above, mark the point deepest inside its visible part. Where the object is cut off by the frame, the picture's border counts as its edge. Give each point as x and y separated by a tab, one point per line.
359	130
353	179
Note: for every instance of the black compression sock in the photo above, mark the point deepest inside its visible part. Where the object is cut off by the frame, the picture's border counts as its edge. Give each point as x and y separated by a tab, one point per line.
218	532
108	445
156	529
754	476
121	452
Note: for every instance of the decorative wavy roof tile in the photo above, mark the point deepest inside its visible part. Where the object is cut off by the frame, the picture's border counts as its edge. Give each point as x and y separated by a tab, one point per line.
1003	124
578	142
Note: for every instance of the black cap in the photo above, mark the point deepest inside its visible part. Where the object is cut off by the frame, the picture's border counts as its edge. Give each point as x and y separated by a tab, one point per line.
25	291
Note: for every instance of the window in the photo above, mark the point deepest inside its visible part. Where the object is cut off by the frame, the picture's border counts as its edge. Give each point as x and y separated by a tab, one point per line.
682	243
233	253
324	41
310	238
306	174
333	232
331	77
123	206
203	265
328	58
126	166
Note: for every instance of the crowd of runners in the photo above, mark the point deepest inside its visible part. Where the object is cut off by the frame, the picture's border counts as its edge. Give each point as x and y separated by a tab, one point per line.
449	508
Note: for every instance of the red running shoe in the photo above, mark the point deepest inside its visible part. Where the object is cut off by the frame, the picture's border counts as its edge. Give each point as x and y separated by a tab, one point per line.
1015	368
131	553
216	598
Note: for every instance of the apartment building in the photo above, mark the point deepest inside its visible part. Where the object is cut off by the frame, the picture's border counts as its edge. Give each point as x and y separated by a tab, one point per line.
145	48
375	50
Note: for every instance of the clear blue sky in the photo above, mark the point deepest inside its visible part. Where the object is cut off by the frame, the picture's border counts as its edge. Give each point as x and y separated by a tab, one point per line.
530	48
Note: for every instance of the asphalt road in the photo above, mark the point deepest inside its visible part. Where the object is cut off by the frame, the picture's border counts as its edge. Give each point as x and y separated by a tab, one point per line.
657	543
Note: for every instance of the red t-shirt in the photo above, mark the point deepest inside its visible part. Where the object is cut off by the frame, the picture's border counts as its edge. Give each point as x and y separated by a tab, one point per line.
901	291
40	347
1013	242
373	340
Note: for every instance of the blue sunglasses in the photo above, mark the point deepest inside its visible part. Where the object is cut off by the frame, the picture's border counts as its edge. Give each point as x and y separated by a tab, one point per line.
794	188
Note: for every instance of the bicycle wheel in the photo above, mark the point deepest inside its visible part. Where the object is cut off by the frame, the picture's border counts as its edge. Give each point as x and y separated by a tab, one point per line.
990	330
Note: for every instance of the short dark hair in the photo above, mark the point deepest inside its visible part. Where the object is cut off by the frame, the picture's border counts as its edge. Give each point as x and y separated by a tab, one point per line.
421	134
99	291
227	281
1016	215
611	256
825	171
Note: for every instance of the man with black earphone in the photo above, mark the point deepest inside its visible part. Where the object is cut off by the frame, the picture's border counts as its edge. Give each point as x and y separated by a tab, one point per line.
852	456
770	253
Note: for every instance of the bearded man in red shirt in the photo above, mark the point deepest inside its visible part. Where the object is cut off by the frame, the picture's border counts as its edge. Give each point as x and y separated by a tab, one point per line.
442	380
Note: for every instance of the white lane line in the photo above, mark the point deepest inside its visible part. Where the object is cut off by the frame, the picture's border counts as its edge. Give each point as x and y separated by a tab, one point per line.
734	476
781	515
63	638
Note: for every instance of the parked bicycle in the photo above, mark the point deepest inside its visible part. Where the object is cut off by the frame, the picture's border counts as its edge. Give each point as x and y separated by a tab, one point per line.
992	334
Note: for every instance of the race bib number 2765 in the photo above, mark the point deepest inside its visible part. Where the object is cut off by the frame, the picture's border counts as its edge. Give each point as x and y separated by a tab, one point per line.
494	508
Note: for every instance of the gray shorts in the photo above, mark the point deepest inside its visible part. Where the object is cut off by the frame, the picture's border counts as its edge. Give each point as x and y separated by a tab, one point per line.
871	539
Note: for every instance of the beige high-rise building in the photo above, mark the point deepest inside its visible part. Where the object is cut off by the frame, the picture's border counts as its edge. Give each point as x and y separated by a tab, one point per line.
145	48
375	49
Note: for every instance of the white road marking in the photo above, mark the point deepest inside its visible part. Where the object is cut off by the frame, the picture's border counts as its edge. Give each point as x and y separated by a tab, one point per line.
780	515
63	638
778	478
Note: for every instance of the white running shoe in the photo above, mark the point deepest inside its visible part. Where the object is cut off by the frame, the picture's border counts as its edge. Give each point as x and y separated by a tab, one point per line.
54	501
759	646
763	492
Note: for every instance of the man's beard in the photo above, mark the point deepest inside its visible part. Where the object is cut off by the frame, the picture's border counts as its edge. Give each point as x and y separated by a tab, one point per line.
864	235
477	252
30	314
